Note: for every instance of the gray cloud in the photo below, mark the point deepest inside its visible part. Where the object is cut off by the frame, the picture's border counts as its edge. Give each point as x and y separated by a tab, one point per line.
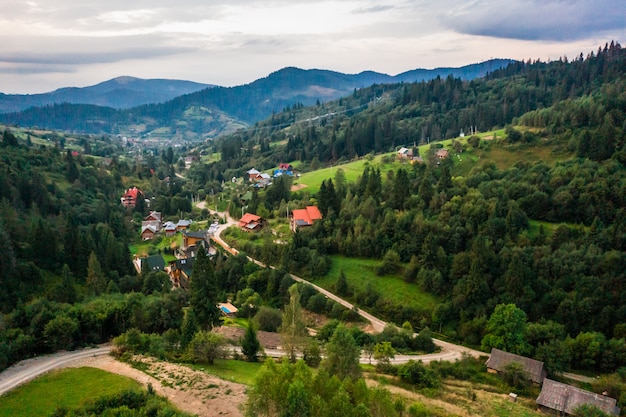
552	20
373	9
85	50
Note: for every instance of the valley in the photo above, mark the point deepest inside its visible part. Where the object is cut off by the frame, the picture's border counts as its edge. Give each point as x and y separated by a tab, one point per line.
386	246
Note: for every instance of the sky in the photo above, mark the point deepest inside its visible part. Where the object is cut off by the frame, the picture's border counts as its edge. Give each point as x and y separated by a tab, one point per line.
49	44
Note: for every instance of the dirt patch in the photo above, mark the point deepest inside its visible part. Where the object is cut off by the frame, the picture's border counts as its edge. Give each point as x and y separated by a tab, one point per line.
192	391
298	187
267	339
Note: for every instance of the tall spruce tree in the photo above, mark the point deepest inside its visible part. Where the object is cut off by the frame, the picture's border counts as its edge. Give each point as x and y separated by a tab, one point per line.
204	292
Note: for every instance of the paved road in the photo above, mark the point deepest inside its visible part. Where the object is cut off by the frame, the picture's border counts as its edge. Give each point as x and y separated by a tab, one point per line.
29	369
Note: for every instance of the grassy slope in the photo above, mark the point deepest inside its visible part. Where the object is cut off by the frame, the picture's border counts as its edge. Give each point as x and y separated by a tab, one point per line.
232	370
67	388
361	272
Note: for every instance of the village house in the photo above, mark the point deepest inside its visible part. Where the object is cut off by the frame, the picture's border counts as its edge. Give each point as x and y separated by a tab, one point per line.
499	359
251	222
442	153
190	159
180	272
304	217
183	224
169	228
154	216
148	230
283	169
154	263
252	174
405	153
260	179
130	197
193	238
564	398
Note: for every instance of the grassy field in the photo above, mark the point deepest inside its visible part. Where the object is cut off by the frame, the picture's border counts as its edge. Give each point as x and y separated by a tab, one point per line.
232	370
352	170
142	249
67	388
361	272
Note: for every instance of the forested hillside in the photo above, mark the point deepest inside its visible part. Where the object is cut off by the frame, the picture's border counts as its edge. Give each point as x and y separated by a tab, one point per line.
382	117
549	237
545	232
213	111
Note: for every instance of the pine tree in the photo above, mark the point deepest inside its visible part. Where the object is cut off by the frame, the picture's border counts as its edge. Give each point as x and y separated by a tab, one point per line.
96	283
250	345
204	292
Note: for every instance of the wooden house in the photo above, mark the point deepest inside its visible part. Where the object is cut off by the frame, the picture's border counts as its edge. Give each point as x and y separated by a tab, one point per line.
193	238
154	216
499	359
169	228
564	399
148	231
154	263
252	174
180	271
183	224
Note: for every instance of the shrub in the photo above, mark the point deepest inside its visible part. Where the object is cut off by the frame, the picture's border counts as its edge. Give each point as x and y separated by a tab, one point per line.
268	319
416	373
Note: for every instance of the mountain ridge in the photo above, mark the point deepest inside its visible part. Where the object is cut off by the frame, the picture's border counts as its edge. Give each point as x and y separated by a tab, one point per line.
245	104
120	92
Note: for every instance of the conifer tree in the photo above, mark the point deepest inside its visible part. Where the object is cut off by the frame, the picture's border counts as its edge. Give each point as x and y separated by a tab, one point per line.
250	345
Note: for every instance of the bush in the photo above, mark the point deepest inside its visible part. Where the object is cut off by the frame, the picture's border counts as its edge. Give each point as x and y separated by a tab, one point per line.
268	319
416	373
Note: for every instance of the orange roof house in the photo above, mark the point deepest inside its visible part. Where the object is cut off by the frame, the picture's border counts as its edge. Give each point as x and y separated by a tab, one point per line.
304	217
250	221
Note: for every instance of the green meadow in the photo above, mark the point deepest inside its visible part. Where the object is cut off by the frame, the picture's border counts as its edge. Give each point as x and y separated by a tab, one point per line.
362	272
67	388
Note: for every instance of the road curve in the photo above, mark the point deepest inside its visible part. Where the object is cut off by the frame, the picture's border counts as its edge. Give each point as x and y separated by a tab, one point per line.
29	369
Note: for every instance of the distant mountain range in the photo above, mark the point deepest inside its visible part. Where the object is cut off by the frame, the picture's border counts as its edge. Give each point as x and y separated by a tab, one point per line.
118	93
206	111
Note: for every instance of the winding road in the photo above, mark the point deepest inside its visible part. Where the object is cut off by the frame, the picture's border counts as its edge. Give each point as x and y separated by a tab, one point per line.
449	351
29	369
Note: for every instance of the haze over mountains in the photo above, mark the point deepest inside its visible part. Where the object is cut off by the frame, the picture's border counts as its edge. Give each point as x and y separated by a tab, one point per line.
120	93
220	108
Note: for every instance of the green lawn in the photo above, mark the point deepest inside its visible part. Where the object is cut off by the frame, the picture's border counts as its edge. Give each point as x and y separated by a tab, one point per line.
231	370
360	272
143	248
67	388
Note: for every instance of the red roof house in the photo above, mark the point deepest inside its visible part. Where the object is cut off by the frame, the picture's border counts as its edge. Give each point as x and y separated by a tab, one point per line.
250	221
305	217
129	199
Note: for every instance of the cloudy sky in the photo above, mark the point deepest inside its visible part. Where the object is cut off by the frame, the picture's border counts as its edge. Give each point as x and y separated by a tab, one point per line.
47	44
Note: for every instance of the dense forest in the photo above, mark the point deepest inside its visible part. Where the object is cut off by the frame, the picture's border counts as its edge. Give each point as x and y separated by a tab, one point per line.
549	238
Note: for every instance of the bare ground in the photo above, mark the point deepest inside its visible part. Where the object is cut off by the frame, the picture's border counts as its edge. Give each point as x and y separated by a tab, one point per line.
191	391
298	187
